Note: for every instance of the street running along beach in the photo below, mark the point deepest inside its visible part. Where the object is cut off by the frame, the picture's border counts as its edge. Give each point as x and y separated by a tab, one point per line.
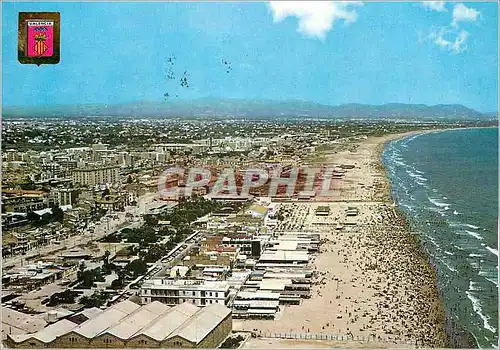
372	283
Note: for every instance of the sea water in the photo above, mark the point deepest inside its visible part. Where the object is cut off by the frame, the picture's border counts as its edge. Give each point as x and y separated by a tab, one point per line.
447	184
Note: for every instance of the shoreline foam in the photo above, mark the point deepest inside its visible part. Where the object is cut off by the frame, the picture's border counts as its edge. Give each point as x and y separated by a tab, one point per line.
458	336
374	280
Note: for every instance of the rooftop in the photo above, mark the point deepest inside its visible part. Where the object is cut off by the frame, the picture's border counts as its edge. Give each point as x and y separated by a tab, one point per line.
259	209
49	333
286	245
199	326
106	319
170	321
284	255
137	320
274	284
266	295
126	320
17	322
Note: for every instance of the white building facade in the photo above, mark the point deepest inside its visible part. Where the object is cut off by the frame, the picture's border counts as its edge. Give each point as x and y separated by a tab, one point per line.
174	292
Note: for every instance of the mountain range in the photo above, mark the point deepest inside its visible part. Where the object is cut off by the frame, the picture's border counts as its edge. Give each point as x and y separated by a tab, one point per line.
210	107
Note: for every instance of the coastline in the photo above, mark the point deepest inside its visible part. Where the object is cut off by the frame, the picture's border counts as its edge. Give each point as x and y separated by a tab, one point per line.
443	339
373	282
458	335
444	319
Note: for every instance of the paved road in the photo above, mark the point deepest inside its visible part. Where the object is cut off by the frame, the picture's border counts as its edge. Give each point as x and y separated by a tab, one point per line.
105	227
165	261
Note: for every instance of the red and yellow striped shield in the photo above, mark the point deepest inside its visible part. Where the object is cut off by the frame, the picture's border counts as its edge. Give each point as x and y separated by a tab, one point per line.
40	47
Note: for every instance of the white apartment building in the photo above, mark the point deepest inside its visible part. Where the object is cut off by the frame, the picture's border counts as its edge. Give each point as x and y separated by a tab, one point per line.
195	148
174	292
96	176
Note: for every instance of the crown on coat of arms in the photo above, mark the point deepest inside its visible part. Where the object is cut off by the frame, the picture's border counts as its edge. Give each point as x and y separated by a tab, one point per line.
39	37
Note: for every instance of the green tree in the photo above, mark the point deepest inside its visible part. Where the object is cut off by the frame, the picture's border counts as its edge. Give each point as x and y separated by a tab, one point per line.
106	257
150	220
81	269
97	299
87	279
155	252
117	284
57	214
65	297
136	268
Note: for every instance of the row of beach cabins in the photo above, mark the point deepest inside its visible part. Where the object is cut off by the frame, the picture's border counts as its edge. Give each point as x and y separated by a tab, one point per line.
281	276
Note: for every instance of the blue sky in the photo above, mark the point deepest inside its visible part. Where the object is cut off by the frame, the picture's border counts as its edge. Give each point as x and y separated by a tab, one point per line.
328	53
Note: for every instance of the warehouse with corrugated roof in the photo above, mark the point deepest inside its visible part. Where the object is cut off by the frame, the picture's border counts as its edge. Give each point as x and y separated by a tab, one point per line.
128	325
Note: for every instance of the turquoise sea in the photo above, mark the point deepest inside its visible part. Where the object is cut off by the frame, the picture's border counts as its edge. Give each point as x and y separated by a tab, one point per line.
447	184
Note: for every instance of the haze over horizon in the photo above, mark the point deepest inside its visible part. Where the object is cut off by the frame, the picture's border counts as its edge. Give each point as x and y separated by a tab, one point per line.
181	101
228	101
326	53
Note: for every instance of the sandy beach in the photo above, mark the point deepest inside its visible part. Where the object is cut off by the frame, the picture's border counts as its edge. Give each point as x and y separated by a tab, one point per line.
370	280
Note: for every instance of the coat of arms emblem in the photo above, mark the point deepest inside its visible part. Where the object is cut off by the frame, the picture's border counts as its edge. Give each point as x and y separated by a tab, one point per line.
38	37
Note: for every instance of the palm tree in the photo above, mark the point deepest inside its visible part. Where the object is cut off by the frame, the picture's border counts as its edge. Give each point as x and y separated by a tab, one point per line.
81	269
106	257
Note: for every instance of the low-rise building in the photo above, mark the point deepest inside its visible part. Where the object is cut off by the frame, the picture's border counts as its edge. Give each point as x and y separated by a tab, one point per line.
259	304
207	260
257	211
323	210
23	201
173	292
127	325
284	257
64	196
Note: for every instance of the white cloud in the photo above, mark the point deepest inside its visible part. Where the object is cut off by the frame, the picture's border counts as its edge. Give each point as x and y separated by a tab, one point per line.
435	5
316	18
449	39
462	13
